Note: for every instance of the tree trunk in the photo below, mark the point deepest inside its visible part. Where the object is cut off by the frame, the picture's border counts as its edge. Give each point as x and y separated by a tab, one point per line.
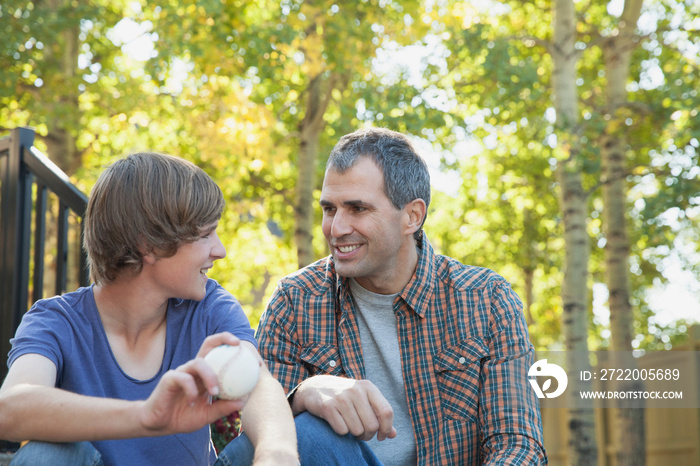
529	263
573	204
319	95
59	95
62	98
629	421
529	278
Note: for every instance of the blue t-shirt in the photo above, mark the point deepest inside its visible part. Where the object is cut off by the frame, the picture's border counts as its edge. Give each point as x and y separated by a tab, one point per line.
68	330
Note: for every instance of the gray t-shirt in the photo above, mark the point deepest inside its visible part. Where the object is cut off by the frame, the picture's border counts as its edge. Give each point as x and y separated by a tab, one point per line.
382	359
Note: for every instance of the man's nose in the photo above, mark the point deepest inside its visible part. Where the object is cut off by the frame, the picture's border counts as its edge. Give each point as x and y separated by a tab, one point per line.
341	225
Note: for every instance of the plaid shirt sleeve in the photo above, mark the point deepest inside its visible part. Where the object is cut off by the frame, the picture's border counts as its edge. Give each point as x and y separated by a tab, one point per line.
509	413
278	343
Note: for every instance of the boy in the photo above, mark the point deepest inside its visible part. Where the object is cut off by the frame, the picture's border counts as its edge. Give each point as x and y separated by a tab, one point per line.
113	373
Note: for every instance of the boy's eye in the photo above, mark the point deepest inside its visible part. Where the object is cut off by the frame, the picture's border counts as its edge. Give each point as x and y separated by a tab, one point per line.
206	234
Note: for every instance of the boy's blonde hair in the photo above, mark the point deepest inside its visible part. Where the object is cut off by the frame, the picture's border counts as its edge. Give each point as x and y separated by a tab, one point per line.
146	203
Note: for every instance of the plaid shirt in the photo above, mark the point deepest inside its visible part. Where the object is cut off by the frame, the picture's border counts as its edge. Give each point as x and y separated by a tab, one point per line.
464	348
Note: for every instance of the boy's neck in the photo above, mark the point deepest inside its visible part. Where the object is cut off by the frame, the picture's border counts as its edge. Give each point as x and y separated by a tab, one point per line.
135	326
127	308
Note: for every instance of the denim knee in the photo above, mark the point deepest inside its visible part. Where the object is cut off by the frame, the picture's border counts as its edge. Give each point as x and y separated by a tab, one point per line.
317	442
37	453
238	452
320	445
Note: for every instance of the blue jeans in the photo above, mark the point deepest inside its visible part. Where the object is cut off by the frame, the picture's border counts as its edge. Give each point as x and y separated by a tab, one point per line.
318	445
46	454
317	442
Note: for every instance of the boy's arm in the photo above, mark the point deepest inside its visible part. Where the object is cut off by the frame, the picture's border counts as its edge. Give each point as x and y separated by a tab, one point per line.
268	421
31	408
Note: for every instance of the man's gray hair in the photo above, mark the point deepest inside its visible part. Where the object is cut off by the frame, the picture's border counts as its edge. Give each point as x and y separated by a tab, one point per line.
406	175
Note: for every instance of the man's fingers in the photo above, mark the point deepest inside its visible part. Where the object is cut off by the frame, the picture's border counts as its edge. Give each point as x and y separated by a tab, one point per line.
365	423
348	405
365	411
354	413
384	414
337	421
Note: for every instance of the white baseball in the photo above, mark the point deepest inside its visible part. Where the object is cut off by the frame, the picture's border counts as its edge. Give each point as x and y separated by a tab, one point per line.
237	370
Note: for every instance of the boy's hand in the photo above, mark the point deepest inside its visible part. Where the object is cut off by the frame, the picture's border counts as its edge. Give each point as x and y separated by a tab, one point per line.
182	400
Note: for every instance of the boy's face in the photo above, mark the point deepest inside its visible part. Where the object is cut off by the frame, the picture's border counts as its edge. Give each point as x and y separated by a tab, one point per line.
184	275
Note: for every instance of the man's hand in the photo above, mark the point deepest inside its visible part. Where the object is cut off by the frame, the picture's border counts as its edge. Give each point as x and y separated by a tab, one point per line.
348	405
181	402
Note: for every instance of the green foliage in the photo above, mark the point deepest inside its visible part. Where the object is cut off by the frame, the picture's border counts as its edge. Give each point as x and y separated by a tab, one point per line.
485	80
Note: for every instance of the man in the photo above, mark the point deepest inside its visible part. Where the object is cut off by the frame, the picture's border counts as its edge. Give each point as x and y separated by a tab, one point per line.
114	373
421	356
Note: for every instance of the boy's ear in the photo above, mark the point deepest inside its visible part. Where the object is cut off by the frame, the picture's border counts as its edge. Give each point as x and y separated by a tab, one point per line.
415	211
149	258
148	255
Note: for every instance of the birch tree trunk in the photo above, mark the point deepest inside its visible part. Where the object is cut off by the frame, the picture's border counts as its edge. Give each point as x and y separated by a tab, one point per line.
582	441
629	421
319	95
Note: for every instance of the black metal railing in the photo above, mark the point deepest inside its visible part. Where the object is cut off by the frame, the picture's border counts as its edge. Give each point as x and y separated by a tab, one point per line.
27	179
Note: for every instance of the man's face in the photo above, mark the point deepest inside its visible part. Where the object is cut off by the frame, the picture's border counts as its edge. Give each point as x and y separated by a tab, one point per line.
363	229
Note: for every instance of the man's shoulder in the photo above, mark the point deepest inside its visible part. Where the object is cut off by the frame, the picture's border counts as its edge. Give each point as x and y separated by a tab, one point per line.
316	278
461	277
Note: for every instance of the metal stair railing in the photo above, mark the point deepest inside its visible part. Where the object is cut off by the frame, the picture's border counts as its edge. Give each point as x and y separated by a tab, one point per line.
26	178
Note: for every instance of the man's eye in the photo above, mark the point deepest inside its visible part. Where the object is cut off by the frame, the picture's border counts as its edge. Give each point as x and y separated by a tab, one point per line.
358	208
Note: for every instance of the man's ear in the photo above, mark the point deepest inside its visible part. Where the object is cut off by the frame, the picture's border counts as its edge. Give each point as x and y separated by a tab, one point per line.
415	211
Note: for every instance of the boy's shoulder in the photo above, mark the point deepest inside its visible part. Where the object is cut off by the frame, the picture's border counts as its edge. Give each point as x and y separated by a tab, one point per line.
72	301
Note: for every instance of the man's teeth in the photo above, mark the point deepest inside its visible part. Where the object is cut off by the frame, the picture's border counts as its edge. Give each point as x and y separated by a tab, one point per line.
347	248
